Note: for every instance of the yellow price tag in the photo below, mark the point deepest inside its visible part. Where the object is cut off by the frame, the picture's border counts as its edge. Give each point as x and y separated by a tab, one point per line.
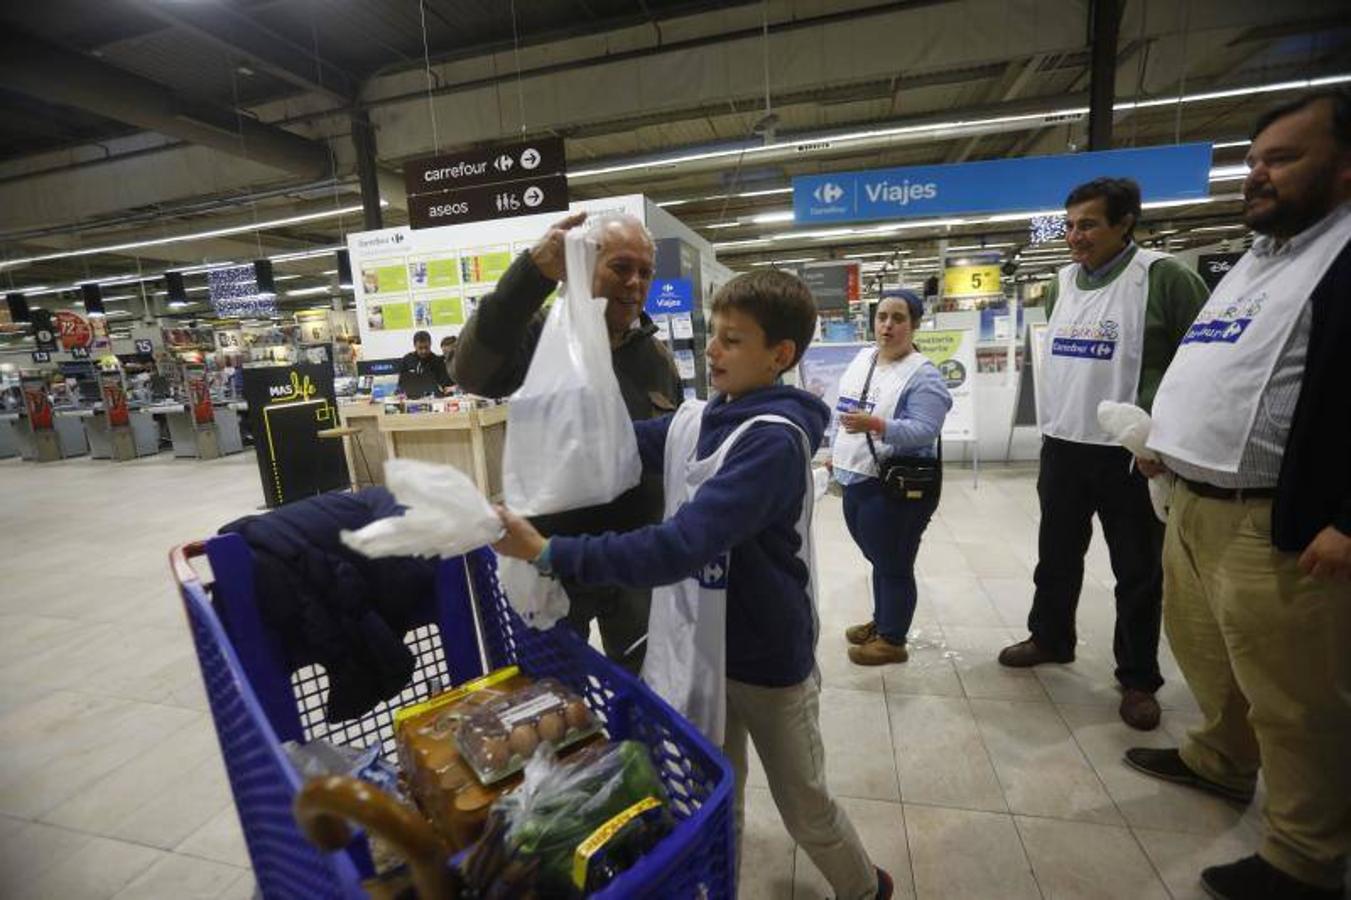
963	281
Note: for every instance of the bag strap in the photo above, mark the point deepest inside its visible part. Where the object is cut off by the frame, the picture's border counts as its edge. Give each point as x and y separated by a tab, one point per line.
868	435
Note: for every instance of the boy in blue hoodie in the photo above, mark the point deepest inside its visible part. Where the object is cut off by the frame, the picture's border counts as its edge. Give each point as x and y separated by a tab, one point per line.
732	637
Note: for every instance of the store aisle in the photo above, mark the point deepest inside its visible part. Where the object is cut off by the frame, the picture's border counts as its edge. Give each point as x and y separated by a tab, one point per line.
965	779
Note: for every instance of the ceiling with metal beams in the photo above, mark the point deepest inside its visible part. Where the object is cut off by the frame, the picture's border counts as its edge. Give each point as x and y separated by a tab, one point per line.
143	135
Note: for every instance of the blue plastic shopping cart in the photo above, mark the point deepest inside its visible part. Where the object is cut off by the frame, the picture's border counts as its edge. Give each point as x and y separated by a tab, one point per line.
257	703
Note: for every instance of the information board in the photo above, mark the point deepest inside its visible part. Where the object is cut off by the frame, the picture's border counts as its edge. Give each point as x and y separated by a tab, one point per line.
288	407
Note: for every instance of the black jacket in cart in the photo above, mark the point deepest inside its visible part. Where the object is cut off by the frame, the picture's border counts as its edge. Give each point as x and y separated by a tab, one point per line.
332	606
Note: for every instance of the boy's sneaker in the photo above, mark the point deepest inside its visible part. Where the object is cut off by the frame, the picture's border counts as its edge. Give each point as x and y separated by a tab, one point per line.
878	652
885	887
858	635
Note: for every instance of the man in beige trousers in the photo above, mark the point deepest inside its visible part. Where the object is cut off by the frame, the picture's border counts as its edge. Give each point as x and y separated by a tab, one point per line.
1254	418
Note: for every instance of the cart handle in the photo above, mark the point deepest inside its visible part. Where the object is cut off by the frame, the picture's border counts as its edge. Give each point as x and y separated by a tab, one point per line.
183	571
324	805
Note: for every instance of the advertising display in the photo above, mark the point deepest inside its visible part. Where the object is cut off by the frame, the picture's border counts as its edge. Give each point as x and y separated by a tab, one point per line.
1173	172
430	279
820	371
73	330
954	353
44	330
37	404
288	407
199	394
235	294
114	396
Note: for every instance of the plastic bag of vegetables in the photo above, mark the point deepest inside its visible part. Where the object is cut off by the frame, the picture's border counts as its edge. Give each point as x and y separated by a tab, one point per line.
559	805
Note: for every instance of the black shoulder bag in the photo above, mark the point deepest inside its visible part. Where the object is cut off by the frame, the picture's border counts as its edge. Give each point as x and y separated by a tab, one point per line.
909	479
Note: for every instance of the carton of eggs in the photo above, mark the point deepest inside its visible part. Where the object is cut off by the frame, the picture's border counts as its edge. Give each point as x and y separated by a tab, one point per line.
500	736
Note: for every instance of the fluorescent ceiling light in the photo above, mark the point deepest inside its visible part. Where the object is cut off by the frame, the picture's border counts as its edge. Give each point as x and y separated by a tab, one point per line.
179	238
785	215
746	243
304	254
713	225
1228	173
877	253
1220	228
767	192
286	277
308	292
777	262
977	247
1227	144
1236	92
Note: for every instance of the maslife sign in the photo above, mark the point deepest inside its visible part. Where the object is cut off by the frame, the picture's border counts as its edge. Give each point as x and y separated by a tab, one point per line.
1177	172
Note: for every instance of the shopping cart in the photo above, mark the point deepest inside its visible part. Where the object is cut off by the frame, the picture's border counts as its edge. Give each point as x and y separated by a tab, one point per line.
257	703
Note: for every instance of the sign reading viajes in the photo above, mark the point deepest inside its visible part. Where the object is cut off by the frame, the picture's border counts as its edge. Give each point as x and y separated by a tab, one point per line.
953	352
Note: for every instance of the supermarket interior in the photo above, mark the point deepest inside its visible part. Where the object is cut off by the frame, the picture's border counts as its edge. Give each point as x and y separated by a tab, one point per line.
783	449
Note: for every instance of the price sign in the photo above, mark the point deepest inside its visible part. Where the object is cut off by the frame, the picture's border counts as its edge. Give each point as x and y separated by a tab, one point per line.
144	347
967	281
41	356
74	331
79	352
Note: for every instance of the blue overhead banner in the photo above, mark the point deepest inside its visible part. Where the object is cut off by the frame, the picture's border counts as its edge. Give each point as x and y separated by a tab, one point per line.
670	295
1023	184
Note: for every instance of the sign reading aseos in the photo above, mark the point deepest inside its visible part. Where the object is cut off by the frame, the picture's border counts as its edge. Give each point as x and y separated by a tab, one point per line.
488	183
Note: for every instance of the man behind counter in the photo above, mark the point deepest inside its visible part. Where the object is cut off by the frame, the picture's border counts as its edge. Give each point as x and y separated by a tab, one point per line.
420	373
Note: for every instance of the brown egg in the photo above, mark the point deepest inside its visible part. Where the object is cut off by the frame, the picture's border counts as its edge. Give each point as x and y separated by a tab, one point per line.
552	726
494	752
523	740
576	714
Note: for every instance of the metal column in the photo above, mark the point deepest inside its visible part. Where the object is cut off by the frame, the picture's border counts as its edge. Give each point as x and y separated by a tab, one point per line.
1104	22
363	140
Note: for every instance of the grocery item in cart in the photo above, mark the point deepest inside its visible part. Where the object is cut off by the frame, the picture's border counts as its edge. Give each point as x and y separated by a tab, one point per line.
502	734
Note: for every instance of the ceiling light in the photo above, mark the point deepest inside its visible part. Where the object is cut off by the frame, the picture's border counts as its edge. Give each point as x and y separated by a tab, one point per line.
977	247
308	292
1228	173
779	262
1220	228
304	254
179	238
1236	92
877	253
713	225
1227	144
746	243
785	215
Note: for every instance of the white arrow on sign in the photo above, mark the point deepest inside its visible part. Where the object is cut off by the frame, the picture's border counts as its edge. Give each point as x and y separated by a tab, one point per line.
533	196
530	157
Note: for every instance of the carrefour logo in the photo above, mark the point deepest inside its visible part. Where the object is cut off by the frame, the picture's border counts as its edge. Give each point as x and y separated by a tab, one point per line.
1217	331
828	193
1083	349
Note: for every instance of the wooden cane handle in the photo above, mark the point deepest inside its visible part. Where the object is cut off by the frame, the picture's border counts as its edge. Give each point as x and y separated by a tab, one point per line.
325	806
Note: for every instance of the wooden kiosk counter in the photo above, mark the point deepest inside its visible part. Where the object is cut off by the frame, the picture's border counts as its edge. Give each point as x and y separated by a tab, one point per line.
469	437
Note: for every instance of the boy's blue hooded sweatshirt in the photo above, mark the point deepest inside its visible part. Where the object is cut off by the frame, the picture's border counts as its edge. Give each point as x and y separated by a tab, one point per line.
750	506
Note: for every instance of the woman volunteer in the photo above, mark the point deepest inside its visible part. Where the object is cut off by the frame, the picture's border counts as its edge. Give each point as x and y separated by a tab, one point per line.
892	405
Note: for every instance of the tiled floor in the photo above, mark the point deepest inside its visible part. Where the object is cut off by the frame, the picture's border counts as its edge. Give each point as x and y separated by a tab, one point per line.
964	779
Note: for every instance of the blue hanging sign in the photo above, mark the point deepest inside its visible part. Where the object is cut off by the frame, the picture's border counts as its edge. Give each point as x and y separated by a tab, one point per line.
670	295
1023	184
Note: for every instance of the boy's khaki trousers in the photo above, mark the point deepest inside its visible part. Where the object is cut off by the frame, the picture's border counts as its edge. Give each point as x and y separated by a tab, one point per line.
785	725
1267	652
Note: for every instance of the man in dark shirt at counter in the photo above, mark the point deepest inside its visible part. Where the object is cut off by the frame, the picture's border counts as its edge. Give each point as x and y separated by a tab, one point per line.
421	373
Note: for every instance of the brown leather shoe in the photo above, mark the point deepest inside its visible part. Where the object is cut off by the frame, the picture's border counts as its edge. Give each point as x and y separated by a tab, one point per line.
878	652
858	635
1025	654
1139	709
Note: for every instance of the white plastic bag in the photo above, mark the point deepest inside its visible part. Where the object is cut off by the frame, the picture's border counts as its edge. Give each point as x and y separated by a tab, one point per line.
447	514
570	442
1130	426
538	600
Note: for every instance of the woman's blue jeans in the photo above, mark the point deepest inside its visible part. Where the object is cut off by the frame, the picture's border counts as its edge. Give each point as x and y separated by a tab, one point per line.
888	532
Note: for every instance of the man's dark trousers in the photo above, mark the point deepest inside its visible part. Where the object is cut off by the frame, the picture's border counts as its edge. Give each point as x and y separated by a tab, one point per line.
1076	481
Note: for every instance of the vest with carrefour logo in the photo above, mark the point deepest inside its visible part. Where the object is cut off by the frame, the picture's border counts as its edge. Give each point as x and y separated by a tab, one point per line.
1094	346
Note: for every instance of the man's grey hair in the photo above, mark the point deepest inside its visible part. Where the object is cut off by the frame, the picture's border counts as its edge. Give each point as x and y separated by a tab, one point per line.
598	225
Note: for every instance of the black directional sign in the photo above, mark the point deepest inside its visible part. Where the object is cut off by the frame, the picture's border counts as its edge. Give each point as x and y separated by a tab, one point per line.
493	201
489	165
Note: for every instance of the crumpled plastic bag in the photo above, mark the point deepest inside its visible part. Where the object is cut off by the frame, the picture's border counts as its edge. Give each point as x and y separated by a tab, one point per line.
1130	425
540	601
570	441
447	514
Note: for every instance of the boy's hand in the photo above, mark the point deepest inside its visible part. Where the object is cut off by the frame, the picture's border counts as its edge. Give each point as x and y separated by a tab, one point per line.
856	422
1150	468
521	540
548	253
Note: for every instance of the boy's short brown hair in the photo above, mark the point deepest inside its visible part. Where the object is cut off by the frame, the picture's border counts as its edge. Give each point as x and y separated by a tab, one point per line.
778	302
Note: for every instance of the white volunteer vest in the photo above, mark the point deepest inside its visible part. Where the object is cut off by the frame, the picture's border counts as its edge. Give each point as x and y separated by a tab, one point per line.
1095	342
850	451
686	662
1208	400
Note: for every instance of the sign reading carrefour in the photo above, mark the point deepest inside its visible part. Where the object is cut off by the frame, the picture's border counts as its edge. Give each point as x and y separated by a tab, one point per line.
670	295
1177	172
